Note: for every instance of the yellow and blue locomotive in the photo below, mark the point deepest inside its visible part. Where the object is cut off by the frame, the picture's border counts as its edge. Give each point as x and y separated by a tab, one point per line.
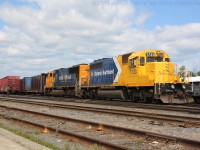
144	76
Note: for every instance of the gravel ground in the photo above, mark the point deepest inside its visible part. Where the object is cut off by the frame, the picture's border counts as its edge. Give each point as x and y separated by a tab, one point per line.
123	108
128	140
53	138
68	145
130	122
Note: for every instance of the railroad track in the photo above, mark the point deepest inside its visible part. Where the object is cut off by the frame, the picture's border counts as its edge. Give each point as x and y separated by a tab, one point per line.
190	108
98	128
183	121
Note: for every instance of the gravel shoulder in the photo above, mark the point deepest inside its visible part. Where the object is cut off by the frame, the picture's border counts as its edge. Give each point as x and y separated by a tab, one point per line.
129	122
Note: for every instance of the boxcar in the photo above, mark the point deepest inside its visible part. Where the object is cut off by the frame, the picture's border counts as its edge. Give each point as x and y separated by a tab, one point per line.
22	86
38	83
33	85
0	85
27	84
10	84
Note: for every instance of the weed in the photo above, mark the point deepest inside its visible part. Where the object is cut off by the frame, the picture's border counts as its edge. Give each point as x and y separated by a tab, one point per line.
29	137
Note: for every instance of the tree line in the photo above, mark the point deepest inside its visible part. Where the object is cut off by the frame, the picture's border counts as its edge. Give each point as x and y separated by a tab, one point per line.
183	73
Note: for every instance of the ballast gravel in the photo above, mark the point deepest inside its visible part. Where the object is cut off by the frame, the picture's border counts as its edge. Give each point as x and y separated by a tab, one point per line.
53	138
130	140
109	106
129	122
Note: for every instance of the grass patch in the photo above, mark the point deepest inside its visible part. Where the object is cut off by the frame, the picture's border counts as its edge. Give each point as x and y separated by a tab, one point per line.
36	132
29	137
97	147
76	147
47	144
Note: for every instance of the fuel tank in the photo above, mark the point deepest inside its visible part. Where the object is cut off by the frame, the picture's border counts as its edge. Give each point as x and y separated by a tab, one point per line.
109	92
58	93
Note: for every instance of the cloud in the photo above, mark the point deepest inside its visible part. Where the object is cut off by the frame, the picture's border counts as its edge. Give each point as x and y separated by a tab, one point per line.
141	18
65	33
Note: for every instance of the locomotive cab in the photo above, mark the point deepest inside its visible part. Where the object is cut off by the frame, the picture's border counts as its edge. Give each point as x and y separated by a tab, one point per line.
50	79
152	72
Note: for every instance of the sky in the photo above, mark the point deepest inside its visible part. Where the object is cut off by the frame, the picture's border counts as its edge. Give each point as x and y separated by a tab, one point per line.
37	36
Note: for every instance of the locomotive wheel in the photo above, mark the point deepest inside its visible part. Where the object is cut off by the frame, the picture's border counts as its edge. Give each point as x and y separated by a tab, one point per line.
148	100
197	100
92	95
87	94
133	98
96	96
143	98
84	95
157	101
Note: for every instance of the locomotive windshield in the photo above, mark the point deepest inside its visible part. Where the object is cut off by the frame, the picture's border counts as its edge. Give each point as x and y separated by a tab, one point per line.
155	57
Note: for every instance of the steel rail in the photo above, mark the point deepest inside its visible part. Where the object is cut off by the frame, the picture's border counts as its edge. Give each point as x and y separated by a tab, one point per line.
180	108
193	143
82	139
184	120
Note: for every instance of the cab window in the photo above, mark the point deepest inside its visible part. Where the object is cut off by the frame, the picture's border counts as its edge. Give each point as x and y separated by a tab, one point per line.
150	59
159	59
156	59
167	59
142	61
50	75
133	63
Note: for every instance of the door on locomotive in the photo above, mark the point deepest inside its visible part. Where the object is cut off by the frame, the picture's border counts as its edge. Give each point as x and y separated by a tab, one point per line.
50	79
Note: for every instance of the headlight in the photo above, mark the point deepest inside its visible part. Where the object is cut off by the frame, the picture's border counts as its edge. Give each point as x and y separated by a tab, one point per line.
172	86
183	86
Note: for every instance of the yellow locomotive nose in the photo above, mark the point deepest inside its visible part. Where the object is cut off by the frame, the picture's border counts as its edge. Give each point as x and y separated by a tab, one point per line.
151	70
162	72
167	87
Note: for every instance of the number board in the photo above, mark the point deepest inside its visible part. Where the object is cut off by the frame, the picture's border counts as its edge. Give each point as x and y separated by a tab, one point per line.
150	54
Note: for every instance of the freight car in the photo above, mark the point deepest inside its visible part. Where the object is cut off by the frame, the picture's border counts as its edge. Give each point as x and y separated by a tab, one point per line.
33	85
195	84
144	76
10	84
